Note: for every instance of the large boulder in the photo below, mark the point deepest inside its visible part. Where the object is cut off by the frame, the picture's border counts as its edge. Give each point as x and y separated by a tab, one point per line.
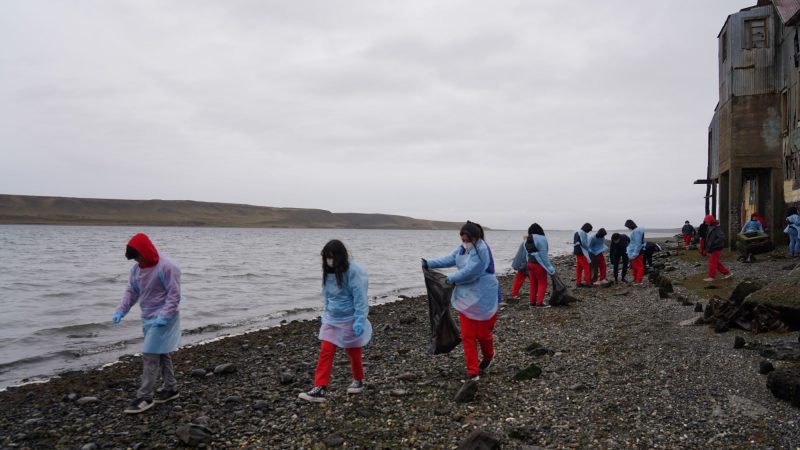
780	295
745	288
784	383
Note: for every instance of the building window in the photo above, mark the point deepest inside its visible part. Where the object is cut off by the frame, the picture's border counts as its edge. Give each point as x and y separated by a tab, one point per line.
755	33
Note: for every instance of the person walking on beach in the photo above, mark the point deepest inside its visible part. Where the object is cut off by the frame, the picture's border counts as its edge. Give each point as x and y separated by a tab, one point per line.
617	252
155	282
702	232
688	233
597	250
344	319
634	251
474	297
520	265
793	230
539	265
580	242
715	242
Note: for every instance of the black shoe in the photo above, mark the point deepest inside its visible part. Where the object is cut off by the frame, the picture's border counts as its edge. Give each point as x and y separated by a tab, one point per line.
139	405
485	364
165	395
316	395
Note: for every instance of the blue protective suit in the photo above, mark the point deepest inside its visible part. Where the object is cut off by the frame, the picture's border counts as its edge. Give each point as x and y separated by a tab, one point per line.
597	245
520	261
345	306
637	242
584	242
476	289
541	253
751	226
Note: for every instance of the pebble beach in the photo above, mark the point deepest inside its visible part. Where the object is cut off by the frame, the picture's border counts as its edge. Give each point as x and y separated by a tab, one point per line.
621	368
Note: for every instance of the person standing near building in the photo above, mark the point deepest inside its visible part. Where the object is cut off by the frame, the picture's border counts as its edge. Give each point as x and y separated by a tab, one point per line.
634	251
597	250
715	242
344	319
474	297
702	231
580	244
155	283
688	233
753	225
617	252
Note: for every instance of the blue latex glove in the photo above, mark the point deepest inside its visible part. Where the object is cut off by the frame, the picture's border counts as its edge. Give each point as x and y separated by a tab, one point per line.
117	317
424	263
160	321
358	329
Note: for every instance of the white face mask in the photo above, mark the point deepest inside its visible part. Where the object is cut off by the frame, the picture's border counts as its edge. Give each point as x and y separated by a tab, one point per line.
469	246
329	262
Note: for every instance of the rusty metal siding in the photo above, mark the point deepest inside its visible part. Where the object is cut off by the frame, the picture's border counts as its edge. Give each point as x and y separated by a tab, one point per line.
753	71
713	153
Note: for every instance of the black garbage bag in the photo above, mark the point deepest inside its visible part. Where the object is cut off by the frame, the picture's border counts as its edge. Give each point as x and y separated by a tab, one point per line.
561	294
444	332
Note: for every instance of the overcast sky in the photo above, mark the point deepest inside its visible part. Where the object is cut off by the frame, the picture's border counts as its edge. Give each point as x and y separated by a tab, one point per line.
502	112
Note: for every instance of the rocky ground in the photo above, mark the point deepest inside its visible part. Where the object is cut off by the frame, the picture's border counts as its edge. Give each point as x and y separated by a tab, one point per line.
619	369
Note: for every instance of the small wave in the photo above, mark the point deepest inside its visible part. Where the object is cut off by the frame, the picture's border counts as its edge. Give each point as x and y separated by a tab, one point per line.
99	281
248	275
75	330
4	367
58	295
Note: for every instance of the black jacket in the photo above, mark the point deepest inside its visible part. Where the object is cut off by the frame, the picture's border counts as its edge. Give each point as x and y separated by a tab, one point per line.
620	248
687	229
702	230
715	239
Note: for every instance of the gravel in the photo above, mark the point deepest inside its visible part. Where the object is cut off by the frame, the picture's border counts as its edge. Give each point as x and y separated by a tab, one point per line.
618	370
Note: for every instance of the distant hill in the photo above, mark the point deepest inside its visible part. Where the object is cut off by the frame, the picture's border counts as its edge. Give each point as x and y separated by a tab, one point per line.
22	209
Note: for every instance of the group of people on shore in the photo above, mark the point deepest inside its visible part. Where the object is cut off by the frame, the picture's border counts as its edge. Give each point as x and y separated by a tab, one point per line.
154	283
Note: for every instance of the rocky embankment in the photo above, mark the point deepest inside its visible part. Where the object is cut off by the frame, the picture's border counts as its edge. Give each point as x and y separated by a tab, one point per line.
621	368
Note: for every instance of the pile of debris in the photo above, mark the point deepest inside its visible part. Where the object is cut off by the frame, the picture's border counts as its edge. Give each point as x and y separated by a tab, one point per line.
747	311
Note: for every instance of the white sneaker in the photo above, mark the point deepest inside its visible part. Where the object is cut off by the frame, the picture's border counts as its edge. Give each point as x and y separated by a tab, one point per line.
708	280
139	405
356	387
727	275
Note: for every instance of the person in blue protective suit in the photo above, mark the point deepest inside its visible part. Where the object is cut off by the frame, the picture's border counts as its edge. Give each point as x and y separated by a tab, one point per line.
634	251
539	265
474	296
344	319
155	283
753	225
793	231
580	244
597	250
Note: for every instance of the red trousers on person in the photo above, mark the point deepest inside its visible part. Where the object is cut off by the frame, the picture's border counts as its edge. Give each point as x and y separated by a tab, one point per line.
323	373
474	332
703	247
599	268
538	276
715	264
687	239
582	267
637	267
519	280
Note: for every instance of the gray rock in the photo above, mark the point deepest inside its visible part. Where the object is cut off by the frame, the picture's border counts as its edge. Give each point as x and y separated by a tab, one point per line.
579	387
398	393
530	372
479	440
87	400
745	288
33	422
407	376
260	405
89	446
199	373
286	378
781	295
408	320
765	367
784	383
233	399
333	440
738	342
224	369
71	397
193	434
467	392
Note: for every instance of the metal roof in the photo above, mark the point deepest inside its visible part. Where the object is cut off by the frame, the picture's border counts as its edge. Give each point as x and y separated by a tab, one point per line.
788	10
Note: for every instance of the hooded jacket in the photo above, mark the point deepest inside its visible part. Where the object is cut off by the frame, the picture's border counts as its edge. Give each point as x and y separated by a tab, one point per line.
155	282
637	242
715	238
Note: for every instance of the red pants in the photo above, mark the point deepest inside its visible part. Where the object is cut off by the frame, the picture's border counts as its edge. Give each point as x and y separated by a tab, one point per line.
582	267
687	239
715	264
538	277
325	363
480	331
703	247
519	280
637	267
599	268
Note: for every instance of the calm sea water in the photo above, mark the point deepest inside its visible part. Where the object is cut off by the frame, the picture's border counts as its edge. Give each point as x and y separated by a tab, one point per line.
60	285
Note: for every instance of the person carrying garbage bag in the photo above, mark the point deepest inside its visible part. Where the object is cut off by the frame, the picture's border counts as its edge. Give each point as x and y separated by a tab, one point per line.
155	282
344	319
474	297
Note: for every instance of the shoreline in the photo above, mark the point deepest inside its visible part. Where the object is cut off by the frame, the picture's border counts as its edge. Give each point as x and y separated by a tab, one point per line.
617	371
